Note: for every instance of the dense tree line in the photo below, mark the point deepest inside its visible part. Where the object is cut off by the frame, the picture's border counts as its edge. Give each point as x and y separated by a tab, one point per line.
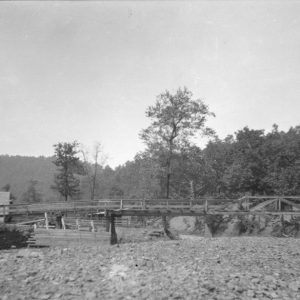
250	162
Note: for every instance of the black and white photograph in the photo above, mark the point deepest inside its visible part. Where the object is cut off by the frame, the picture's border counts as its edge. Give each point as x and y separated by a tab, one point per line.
150	150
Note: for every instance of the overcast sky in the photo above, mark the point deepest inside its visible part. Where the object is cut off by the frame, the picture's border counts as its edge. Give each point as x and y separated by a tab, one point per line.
88	70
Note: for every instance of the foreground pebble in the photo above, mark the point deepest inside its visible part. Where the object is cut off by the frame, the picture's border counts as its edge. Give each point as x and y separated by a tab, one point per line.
201	268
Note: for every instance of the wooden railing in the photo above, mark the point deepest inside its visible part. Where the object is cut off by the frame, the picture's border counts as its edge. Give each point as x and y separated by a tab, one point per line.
246	203
275	203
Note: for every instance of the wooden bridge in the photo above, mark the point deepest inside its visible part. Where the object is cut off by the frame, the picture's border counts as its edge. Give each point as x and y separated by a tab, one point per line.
112	209
262	205
245	205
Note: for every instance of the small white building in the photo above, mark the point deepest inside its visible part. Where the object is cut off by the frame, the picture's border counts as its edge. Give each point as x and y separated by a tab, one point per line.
4	205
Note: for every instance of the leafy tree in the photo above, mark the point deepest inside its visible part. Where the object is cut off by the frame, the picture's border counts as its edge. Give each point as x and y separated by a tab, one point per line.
149	173
257	163
68	165
217	156
175	120
32	195
116	192
248	169
105	181
282	152
138	178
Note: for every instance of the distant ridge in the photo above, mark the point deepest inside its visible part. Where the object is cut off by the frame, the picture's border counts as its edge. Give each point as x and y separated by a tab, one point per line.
17	171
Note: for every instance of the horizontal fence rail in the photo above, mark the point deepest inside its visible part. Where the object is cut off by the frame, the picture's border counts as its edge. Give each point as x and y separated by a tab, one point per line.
246	203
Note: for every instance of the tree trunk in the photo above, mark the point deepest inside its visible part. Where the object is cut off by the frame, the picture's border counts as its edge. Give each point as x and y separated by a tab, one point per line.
164	217
94	183
168	176
95	176
168	186
113	237
192	190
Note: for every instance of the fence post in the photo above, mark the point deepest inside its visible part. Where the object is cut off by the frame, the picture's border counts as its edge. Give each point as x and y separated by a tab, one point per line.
113	237
77	224
46	221
206	206
247	204
121	204
63	223
107	223
92	225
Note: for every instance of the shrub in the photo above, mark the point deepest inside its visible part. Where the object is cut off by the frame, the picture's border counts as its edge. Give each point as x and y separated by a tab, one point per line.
11	235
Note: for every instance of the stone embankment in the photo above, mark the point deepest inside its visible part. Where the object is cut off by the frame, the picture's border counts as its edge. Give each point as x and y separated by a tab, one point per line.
238	225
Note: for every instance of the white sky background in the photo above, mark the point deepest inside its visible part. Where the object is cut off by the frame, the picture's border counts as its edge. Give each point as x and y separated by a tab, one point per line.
88	70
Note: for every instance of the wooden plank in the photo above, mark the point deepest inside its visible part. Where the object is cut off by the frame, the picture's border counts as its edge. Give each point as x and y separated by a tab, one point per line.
72	237
197	213
66	243
65	232
290	203
63	223
206	206
154	207
47	241
113	237
69	232
259	213
30	222
264	204
97	235
46	221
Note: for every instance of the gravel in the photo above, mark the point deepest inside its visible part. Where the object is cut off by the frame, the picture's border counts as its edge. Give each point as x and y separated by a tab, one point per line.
191	268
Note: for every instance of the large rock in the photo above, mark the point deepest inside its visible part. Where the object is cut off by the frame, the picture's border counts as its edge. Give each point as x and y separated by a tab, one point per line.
183	224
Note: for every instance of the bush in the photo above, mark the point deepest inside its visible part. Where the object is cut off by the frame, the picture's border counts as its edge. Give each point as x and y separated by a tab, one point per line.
286	229
215	223
247	225
11	235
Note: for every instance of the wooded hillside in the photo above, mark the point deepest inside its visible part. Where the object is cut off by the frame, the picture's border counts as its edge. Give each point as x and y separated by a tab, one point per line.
251	161
19	171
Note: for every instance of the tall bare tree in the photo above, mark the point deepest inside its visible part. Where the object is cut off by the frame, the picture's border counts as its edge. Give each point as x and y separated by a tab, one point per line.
91	164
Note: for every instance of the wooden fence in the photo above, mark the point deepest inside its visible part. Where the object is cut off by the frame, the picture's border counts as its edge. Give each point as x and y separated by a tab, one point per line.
60	237
114	204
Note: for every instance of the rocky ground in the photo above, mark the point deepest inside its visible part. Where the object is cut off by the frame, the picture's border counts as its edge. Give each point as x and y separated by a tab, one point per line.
191	268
